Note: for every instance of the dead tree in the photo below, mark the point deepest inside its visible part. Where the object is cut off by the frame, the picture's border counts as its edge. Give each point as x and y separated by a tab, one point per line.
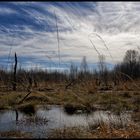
14	74
103	70
16	114
30	83
35	83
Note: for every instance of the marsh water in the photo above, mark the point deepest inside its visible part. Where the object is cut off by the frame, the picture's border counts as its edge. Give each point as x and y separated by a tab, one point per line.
46	119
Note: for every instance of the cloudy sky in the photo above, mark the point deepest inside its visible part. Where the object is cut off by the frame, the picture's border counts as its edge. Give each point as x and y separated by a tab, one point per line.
84	29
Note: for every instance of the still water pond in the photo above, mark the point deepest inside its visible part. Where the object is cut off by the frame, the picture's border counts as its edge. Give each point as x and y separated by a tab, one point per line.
46	119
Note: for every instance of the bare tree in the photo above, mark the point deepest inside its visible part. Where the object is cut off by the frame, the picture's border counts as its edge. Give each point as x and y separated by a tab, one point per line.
101	63
130	60
84	66
131	56
14	75
103	73
73	71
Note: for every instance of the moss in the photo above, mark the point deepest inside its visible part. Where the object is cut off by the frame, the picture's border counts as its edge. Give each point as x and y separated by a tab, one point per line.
28	109
37	98
77	108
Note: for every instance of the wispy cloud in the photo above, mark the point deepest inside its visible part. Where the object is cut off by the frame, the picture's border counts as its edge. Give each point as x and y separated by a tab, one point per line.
6	11
30	29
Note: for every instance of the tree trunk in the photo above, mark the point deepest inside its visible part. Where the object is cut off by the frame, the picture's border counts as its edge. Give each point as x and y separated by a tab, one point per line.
14	75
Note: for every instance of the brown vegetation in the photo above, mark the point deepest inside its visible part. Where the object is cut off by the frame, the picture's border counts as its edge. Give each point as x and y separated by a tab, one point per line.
116	90
102	131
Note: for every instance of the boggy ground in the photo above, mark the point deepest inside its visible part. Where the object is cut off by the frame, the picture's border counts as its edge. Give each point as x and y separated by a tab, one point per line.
82	96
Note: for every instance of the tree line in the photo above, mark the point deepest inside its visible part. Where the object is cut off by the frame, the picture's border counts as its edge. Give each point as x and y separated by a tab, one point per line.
129	67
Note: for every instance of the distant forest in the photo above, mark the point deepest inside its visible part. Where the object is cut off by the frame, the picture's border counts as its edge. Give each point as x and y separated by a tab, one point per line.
128	69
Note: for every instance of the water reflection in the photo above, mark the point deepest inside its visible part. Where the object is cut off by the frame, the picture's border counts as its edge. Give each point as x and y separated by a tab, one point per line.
52	117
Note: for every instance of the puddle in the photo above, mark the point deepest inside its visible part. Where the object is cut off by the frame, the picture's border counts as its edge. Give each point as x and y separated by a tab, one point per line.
46	119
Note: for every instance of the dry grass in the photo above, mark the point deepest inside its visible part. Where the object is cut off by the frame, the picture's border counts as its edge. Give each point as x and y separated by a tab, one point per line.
69	132
15	134
76	95
105	131
101	131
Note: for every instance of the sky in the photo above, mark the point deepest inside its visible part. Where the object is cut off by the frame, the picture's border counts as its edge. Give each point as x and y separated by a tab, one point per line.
44	34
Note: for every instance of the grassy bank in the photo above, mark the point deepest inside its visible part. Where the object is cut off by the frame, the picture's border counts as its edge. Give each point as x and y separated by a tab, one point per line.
75	98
